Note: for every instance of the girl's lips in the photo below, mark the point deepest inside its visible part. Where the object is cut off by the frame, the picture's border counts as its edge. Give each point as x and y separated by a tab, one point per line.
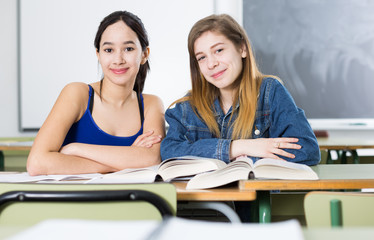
216	75
119	71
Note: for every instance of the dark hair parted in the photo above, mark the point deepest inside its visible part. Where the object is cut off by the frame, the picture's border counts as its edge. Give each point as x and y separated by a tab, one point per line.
133	22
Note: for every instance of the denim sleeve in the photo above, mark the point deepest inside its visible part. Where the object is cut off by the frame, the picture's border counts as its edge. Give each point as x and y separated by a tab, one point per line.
176	143
287	120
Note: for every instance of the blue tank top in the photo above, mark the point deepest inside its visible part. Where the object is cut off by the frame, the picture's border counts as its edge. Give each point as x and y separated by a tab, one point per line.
86	130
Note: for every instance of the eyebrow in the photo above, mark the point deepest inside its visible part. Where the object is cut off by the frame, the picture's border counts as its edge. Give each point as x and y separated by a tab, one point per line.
213	46
124	43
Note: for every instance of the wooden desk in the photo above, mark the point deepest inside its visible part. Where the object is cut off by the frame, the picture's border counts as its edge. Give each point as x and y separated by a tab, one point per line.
214	194
332	177
329	143
13	144
190	199
212	199
344	145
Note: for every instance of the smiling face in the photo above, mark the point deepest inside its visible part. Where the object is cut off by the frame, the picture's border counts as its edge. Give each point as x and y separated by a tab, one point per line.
120	54
219	60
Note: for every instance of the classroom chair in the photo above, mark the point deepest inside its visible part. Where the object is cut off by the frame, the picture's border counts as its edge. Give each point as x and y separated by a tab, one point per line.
339	209
26	204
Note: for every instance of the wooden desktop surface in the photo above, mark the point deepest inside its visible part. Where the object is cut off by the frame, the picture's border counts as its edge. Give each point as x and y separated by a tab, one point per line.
352	143
16	143
232	193
15	148
332	176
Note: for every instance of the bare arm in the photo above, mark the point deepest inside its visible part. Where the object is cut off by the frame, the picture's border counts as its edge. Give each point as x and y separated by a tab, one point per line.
264	147
143	153
44	157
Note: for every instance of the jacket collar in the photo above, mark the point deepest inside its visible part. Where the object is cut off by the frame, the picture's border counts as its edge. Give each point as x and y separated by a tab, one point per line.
218	112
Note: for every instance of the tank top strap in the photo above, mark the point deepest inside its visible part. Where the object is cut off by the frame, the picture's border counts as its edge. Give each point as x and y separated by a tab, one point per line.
141	107
90	99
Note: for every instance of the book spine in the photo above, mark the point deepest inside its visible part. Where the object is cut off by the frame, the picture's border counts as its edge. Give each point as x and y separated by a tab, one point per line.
251	175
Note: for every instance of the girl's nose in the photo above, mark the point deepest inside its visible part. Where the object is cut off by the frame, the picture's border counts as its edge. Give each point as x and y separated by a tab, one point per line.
212	62
119	58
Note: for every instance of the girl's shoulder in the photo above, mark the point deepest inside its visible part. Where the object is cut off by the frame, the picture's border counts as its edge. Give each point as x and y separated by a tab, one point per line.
152	102
150	97
273	91
270	84
73	99
75	91
181	106
269	80
75	88
183	102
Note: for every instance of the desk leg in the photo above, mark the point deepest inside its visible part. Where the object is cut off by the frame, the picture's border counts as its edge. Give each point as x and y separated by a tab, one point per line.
264	206
217	206
329	158
2	167
344	157
356	158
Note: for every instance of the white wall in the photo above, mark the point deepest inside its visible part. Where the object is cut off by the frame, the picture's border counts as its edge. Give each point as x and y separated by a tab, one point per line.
9	105
9	99
56	50
8	71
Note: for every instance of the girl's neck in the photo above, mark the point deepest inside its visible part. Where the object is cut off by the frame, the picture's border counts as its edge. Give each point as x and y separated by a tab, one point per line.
116	95
226	99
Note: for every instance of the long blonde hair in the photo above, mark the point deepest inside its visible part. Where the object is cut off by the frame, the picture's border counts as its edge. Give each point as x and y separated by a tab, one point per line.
203	93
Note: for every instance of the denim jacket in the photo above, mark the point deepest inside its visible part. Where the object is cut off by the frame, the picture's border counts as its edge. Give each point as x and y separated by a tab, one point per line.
277	116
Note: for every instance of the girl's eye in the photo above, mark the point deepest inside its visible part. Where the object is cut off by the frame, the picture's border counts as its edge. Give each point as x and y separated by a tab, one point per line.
129	49
219	50
200	58
108	50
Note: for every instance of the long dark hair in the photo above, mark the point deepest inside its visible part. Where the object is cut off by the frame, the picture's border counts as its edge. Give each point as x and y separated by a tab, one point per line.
133	22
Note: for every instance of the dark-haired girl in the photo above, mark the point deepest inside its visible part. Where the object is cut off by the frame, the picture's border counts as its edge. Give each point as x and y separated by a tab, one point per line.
107	125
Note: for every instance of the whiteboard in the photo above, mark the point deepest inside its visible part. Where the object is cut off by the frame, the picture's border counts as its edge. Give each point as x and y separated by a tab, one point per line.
324	53
56	47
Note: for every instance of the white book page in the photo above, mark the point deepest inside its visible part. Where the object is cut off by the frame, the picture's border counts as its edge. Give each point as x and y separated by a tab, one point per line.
25	177
234	171
281	163
188	166
129	175
279	169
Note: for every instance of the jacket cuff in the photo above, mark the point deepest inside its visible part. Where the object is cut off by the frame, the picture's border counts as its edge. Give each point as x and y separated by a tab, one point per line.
223	150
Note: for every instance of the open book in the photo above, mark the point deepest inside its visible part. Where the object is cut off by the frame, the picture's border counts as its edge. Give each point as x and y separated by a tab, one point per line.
171	169
244	168
24	177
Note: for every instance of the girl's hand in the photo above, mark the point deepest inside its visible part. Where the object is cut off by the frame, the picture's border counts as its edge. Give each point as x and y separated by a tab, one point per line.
147	140
69	149
264	147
